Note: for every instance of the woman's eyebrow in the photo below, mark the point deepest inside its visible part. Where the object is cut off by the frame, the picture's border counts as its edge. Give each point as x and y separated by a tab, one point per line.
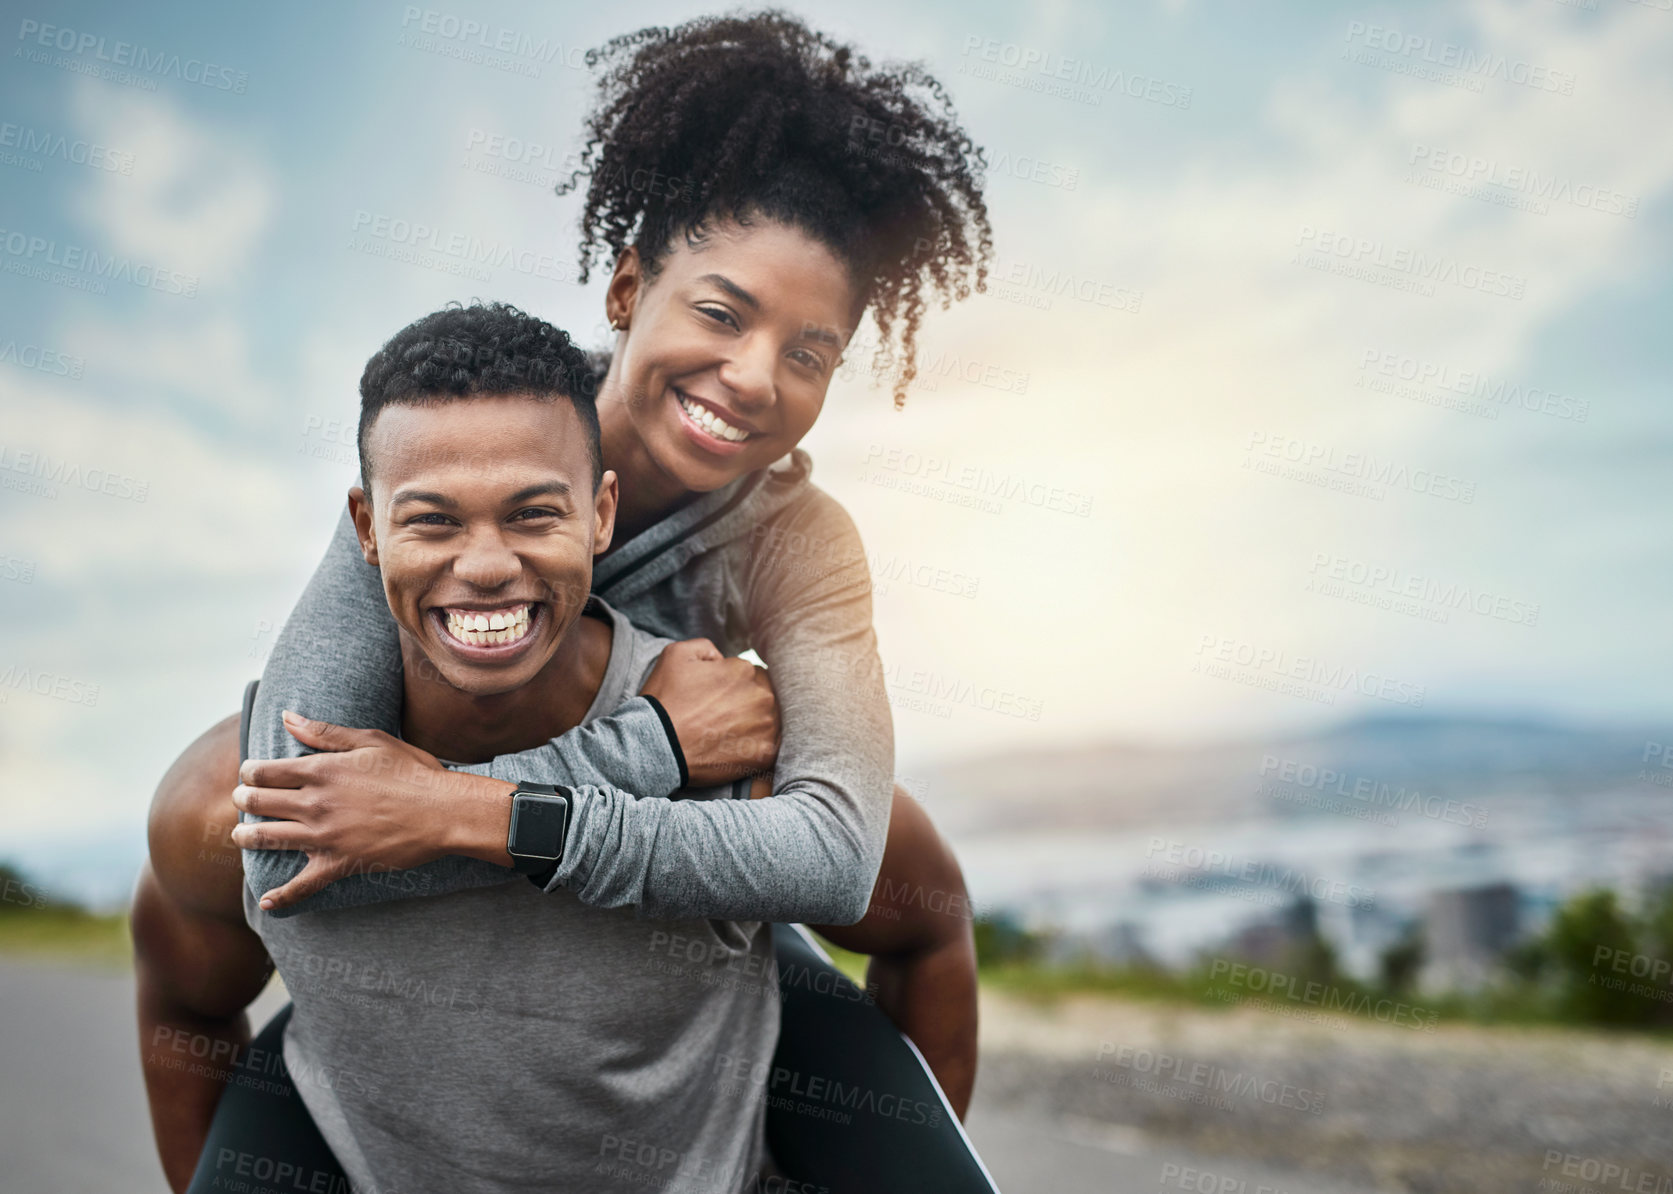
809	332
733	289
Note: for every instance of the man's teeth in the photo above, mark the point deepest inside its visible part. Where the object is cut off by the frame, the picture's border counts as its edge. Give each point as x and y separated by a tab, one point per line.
479	628
711	422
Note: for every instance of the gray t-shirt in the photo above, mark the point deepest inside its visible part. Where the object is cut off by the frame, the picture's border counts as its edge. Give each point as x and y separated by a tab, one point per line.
502	1038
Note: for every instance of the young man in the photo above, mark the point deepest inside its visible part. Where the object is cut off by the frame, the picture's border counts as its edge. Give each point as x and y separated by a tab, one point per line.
503	1035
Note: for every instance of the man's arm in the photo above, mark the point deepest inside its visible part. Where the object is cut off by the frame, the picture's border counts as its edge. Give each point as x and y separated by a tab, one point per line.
923	952
197	964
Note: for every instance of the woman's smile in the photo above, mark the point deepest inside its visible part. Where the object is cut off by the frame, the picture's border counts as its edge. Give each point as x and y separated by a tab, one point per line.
710	427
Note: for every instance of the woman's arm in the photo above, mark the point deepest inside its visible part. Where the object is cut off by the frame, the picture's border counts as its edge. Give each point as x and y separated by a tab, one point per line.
338	659
811	853
811	589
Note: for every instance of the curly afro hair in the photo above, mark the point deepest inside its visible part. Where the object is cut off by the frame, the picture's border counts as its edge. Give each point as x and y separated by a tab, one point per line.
485	348
740	116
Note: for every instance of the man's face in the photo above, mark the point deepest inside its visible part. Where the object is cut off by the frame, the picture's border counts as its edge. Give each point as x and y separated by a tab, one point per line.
483	520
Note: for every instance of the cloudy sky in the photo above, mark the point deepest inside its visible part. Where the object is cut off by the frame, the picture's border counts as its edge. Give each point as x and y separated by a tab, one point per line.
1324	373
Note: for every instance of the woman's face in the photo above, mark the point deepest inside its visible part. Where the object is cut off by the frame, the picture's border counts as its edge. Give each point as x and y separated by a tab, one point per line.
726	354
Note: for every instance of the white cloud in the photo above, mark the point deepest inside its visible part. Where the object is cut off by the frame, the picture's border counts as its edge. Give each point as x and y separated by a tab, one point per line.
197	201
209	509
206	362
1152	413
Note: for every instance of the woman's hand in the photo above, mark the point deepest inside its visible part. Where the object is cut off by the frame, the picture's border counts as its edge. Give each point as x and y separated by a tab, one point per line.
366	803
724	711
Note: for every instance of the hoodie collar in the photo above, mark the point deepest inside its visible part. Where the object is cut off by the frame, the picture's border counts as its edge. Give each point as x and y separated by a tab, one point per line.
714	519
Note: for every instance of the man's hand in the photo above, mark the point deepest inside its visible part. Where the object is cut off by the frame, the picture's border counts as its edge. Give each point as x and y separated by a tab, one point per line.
366	802
723	709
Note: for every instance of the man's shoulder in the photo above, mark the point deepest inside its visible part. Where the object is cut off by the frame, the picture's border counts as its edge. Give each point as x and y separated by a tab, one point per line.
633	652
643	647
191	816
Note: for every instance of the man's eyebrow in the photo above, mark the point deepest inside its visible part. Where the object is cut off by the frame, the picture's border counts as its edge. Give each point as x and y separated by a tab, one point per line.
553	488
733	289
545	488
420	495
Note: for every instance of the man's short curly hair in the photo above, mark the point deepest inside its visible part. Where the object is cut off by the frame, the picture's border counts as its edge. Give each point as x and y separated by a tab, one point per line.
485	348
740	116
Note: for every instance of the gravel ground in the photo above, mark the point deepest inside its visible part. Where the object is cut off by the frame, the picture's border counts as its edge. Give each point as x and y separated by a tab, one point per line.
1069	1099
1457	1108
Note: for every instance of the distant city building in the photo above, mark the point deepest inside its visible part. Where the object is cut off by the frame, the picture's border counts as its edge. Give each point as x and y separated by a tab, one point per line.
1123	945
1361	933
1466	932
1273	940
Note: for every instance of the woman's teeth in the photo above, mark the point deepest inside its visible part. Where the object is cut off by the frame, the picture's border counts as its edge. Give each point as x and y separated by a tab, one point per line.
487	628
711	422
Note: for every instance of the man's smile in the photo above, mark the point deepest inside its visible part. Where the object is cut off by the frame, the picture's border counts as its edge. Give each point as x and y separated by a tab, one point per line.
488	632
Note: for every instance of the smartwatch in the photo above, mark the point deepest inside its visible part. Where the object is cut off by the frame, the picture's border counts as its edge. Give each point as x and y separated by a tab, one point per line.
539	828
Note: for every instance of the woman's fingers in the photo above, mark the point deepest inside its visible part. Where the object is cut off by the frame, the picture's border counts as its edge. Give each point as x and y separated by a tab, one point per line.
281	773
285	804
331	741
317	874
323	735
271	835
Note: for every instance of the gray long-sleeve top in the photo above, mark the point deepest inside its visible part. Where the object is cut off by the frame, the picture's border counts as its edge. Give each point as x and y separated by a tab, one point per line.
769	561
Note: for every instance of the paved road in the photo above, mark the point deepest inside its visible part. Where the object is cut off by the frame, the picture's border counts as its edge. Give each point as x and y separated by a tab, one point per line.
72	1109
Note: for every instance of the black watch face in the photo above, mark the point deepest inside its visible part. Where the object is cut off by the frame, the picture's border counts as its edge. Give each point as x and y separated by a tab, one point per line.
537	825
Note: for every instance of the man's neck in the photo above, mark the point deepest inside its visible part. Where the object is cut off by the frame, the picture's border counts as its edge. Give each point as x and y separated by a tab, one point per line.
461	728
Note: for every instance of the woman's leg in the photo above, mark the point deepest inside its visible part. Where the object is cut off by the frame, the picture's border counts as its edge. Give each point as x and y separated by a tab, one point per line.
851	1107
262	1133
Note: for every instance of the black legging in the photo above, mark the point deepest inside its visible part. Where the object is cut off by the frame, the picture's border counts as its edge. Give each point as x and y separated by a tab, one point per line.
262	1133
899	1135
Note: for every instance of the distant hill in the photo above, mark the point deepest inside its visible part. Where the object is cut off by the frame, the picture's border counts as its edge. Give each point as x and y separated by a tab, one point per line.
1123	785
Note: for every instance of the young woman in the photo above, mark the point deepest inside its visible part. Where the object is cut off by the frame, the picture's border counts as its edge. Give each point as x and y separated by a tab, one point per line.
735	180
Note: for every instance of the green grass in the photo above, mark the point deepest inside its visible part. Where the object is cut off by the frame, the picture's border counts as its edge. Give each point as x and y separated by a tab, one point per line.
71	934
65	933
851	964
1049	983
1508	1004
